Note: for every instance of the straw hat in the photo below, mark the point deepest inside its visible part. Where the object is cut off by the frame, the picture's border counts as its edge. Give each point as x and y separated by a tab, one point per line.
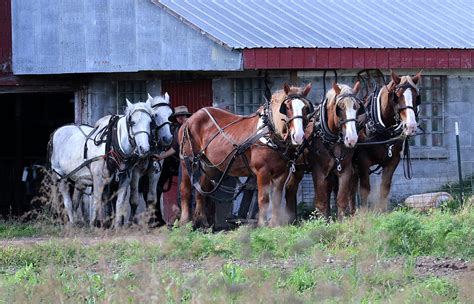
180	111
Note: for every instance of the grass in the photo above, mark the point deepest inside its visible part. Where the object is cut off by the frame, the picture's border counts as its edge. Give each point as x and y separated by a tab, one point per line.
365	259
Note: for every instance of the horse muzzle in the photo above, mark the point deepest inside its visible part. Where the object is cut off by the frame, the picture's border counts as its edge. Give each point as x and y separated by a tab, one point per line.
410	129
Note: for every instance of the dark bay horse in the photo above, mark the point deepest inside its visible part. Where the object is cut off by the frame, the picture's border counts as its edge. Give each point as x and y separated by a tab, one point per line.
332	136
217	141
392	114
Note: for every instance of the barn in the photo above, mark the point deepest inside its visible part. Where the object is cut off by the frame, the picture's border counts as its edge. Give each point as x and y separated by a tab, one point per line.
75	61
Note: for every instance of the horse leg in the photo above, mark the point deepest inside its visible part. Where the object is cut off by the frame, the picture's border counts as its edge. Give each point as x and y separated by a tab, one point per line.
186	192
100	178
322	187
386	184
122	209
135	200
364	178
200	218
77	202
290	195
353	191
343	193
151	197
277	185
64	189
263	184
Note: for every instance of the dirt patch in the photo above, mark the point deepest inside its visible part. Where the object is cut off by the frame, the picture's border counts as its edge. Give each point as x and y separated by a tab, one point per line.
442	267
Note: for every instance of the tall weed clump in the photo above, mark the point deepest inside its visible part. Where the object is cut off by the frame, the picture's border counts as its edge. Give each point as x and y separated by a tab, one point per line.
437	233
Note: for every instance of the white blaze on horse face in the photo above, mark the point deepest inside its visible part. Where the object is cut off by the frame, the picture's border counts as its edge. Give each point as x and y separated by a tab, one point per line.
297	132
410	123
142	127
350	138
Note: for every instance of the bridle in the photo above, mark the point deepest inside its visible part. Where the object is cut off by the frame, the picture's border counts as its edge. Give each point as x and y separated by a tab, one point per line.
360	111
131	133
162	104
288	99
398	92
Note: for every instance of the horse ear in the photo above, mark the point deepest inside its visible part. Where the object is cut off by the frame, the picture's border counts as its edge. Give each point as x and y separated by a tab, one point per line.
417	77
129	104
336	88
356	87
395	77
149	96
286	88
307	89
167	97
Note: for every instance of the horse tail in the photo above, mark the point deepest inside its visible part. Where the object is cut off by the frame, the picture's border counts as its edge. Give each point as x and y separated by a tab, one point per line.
49	151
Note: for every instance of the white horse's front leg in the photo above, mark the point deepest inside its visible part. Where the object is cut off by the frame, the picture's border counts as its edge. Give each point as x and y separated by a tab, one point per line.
122	209
153	178
100	178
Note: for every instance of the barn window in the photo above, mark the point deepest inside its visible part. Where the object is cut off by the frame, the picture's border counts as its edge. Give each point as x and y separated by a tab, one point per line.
431	117
134	90
248	95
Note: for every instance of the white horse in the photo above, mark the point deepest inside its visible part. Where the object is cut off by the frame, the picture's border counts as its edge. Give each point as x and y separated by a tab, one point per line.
152	169
93	156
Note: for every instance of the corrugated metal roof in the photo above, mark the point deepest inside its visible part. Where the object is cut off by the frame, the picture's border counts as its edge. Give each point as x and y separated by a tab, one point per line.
330	24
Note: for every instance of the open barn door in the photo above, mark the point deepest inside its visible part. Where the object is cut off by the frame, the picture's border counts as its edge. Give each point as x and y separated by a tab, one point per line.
27	122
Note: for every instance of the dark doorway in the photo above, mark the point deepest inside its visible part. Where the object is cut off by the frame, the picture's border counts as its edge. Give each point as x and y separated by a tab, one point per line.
26	124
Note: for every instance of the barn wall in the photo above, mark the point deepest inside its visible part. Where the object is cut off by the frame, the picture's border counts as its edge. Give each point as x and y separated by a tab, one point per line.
53	37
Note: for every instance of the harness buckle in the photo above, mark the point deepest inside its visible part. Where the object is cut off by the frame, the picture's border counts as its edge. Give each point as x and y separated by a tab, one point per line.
389	153
292	167
339	167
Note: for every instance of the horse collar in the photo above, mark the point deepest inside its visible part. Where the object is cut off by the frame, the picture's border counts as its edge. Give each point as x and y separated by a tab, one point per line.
322	128
375	125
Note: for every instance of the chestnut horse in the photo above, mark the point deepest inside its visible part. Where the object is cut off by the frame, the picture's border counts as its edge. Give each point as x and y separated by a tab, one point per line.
332	136
260	144
392	116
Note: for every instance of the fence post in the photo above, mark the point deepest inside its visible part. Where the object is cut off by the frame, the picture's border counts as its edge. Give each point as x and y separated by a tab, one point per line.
458	148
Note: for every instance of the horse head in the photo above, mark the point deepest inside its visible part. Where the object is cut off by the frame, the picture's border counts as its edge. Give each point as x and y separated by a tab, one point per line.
343	109
139	117
405	100
162	111
295	107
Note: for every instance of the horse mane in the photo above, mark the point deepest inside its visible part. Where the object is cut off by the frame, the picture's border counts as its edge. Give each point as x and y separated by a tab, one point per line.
278	118
139	105
344	103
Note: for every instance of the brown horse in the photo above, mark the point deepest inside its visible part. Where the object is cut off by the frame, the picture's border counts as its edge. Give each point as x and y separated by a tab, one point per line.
217	141
392	116
332	137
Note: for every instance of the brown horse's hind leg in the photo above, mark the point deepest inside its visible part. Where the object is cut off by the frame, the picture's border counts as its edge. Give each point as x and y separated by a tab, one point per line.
290	195
364	187
263	183
322	187
186	191
200	218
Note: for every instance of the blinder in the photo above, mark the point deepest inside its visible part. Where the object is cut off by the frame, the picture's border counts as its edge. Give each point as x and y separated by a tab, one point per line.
130	124
406	86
